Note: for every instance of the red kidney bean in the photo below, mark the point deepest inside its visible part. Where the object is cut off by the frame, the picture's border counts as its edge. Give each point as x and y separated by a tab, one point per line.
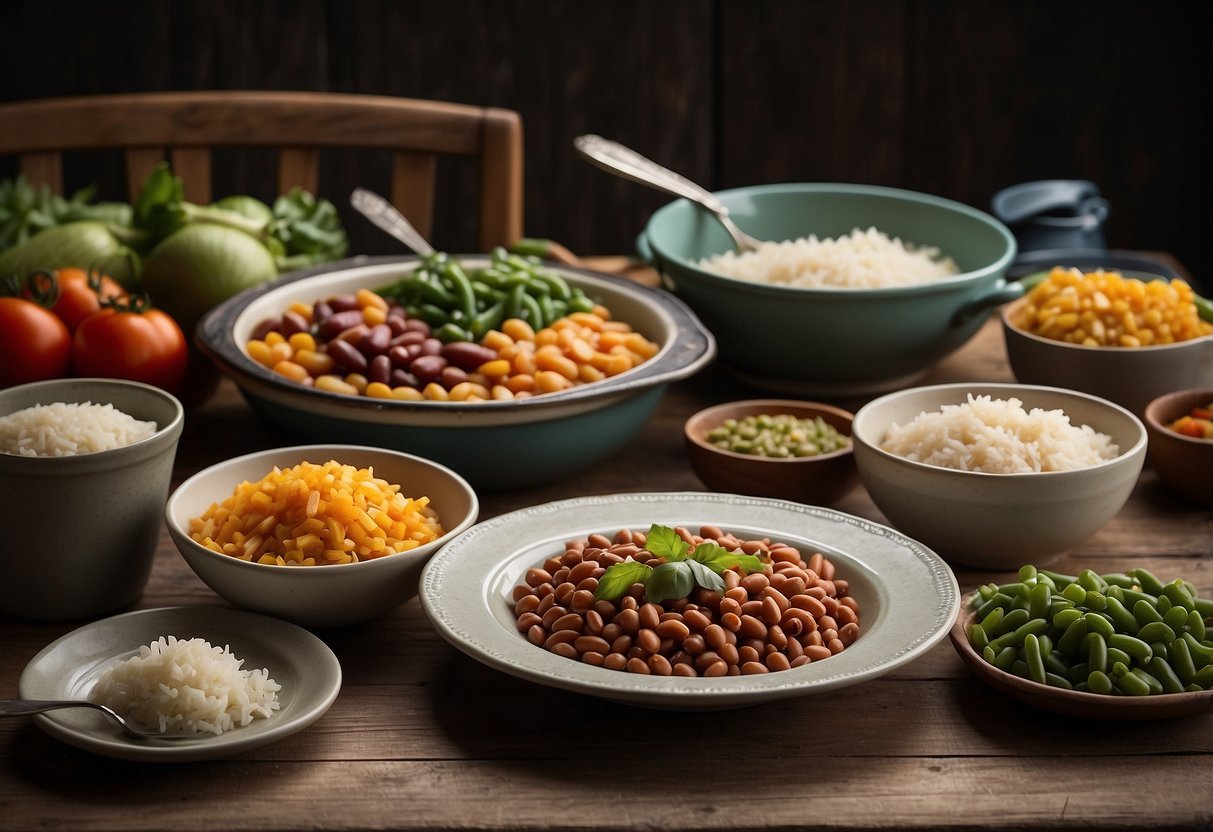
528	620
450	376
648	641
353	335
346	356
615	661
265	328
593	657
293	322
339	322
537	635
427	368
417	325
468	356
322	310
376	340
344	303
526	603
380	370
571	621
403	378
406	338
431	346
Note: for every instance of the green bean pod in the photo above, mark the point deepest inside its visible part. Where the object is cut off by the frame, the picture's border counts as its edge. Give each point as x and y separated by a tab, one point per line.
1033	658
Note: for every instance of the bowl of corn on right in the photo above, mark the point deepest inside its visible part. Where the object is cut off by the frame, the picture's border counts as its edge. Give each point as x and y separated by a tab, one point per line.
1126	339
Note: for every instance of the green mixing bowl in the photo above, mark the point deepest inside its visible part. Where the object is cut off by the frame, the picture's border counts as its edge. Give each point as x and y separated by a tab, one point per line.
834	341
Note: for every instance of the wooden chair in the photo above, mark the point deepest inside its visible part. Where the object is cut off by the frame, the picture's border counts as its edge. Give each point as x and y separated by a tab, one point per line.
188	125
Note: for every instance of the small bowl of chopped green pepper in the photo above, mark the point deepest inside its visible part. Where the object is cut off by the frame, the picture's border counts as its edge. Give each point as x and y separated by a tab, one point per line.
794	450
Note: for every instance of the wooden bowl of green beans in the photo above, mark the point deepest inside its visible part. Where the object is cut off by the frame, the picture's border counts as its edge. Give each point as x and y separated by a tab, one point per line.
1118	646
783	448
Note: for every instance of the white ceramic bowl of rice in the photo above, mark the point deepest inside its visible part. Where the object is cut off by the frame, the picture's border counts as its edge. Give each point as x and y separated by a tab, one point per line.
85	466
997	475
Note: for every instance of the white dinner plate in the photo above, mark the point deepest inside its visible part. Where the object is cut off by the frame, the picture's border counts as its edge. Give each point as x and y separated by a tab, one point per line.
67	668
908	596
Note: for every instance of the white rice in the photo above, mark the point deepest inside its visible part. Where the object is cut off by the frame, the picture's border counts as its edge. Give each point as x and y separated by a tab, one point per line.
998	436
60	429
187	686
860	260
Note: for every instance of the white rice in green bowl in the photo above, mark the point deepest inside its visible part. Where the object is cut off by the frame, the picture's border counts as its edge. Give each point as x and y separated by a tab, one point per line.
998	436
68	429
860	260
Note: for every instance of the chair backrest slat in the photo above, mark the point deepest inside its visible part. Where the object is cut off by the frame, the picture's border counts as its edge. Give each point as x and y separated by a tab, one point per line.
189	125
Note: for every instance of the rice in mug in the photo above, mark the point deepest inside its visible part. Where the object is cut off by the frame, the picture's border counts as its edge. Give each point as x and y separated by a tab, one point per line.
187	686
61	429
860	260
998	436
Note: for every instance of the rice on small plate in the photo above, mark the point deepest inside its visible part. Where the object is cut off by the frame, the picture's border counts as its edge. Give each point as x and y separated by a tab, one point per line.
68	429
187	686
859	260
998	436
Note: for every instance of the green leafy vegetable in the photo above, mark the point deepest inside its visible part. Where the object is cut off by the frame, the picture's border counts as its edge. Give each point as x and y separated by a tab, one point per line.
683	570
669	581
300	230
26	211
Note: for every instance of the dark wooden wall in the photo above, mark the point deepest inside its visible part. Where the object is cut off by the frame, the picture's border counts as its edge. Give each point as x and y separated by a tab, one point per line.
953	97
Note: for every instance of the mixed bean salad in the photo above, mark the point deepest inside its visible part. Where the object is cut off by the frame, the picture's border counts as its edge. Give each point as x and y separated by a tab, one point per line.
509	330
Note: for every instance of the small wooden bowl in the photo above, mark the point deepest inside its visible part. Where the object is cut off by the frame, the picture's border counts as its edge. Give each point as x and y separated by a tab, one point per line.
1073	702
819	479
1184	464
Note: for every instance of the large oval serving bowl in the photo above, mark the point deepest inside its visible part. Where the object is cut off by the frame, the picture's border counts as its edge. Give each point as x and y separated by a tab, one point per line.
834	341
497	444
997	521
319	596
1129	376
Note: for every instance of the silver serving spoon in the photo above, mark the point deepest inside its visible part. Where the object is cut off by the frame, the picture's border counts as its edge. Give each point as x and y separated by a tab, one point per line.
614	157
381	212
26	707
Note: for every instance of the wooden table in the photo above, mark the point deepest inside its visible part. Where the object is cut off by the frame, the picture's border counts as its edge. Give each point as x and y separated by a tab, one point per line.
423	737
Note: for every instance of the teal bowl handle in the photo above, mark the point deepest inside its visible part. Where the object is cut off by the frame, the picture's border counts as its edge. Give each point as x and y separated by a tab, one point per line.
1001	293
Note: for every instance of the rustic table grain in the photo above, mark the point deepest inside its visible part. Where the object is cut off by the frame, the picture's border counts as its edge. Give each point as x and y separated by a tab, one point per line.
423	737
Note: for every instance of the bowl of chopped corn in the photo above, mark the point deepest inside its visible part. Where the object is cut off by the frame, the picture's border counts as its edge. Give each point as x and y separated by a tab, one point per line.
319	535
521	404
1125	339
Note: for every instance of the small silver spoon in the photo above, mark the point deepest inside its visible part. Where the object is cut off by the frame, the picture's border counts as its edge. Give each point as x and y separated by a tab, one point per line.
381	212
26	707
616	158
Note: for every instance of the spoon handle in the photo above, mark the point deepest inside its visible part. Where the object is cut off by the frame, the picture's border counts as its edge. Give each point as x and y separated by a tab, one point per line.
383	214
616	158
25	707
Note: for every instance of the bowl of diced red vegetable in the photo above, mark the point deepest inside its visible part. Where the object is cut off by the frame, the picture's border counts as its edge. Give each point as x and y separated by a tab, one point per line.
510	370
1180	427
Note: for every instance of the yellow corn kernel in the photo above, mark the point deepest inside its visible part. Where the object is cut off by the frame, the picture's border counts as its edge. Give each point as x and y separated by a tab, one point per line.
520	383
495	369
302	341
366	298
407	394
556	362
373	315
281	351
316	363
518	329
334	384
549	381
303	310
497	340
435	392
260	352
378	390
291	370
357	381
465	390
501	393
275	337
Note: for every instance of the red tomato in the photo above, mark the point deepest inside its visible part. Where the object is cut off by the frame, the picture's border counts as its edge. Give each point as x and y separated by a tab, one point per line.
134	343
80	293
34	344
